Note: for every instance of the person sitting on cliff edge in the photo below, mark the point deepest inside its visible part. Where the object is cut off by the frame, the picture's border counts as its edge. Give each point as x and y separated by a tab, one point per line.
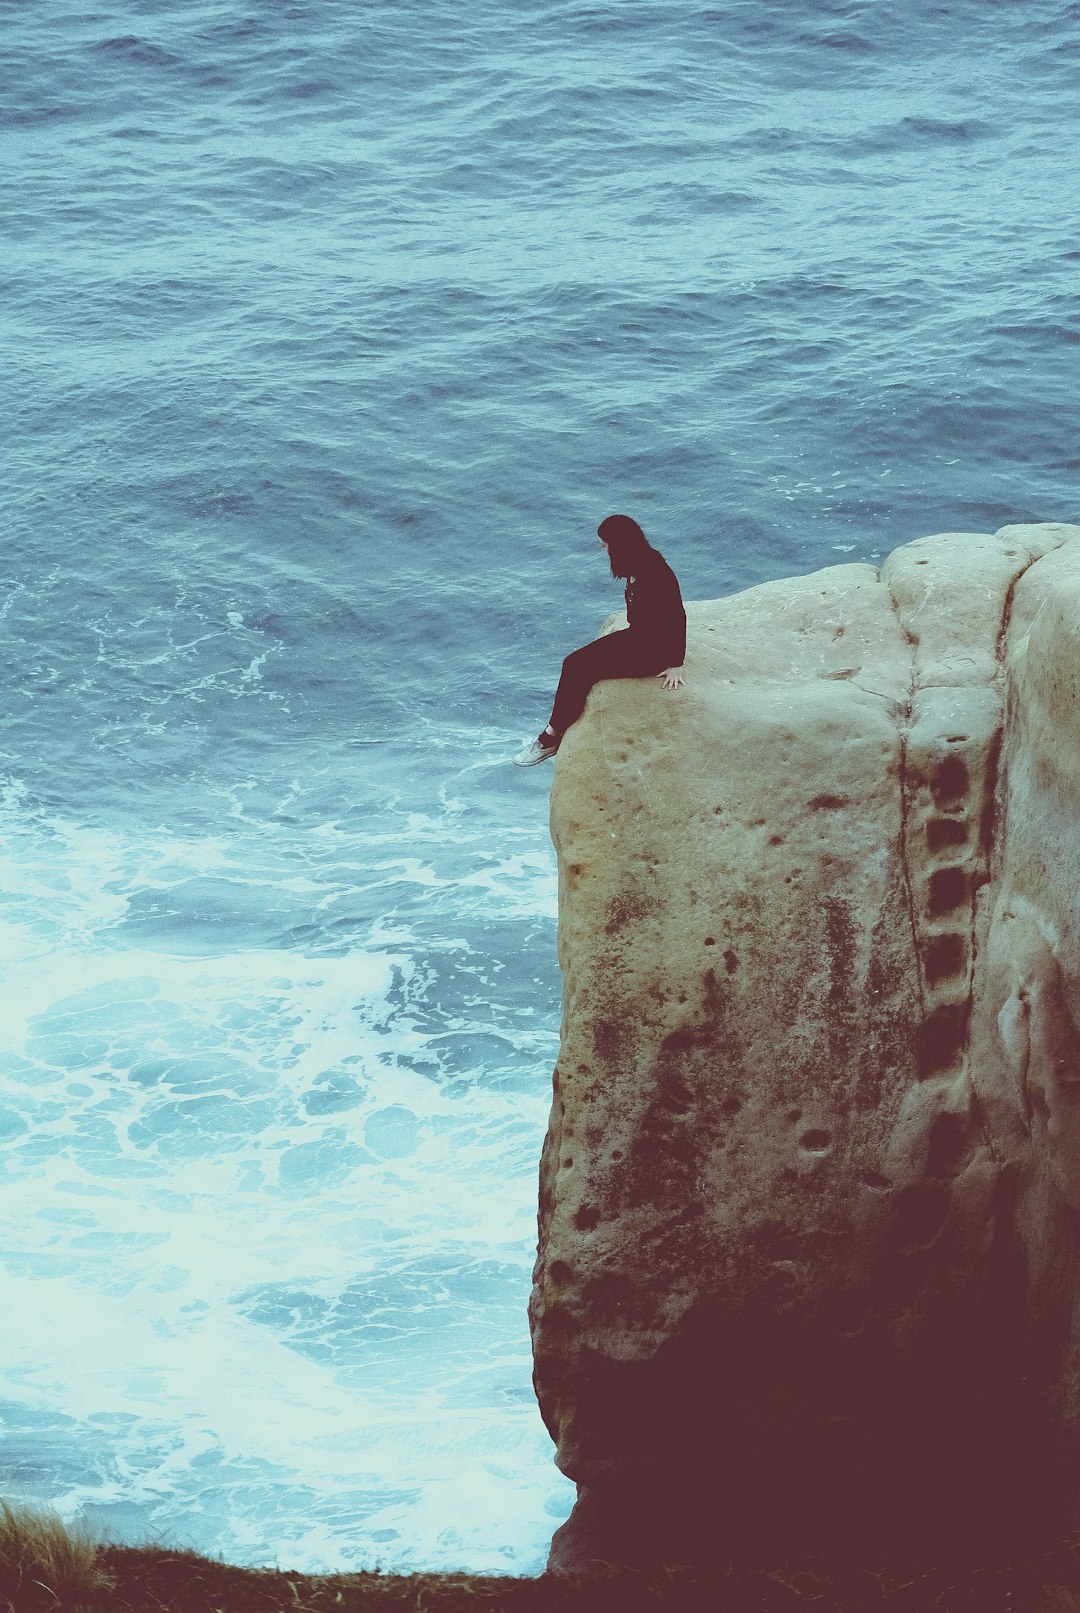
653	644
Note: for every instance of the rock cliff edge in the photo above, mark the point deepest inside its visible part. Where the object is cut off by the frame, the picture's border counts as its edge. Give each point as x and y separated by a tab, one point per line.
808	1202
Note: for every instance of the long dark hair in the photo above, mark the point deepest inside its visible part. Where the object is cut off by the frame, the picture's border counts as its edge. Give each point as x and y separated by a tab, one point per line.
627	544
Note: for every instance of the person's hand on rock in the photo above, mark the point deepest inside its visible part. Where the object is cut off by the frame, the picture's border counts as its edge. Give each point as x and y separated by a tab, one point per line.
673	677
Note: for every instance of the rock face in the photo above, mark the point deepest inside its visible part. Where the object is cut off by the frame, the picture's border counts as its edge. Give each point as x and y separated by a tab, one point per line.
808	1201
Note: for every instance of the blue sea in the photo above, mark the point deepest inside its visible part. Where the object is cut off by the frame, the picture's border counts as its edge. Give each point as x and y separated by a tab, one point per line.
329	332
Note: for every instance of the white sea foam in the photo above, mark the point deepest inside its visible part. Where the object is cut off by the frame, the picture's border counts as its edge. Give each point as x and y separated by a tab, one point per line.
270	1213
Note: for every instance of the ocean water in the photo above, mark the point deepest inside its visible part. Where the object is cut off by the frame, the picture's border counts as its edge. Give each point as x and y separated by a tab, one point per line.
329	333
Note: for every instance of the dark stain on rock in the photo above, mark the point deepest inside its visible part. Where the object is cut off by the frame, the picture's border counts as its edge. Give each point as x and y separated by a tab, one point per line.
676	1131
840	947
614	1038
680	1041
674	1242
546	1201
827	802
628	907
888	1041
675	1092
731	961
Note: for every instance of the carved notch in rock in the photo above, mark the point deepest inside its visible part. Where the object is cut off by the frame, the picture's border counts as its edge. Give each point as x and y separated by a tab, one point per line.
808	1197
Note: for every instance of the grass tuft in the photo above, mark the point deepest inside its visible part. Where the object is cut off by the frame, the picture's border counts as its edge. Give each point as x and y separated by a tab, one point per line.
46	1568
44	1564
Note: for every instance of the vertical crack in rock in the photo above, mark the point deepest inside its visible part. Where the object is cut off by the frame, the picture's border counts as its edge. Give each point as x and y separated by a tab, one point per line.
989	829
1002	644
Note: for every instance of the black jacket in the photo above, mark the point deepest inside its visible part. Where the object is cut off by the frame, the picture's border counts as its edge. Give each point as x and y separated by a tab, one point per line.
654	608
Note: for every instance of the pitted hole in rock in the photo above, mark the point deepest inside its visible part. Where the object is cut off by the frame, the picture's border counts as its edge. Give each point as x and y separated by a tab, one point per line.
942	833
922	562
946	956
948	1148
776	840
941	1038
710	940
875	1181
956	739
921	1209
816	1142
560	1273
587	1218
948	891
949	782
731	961
568	1164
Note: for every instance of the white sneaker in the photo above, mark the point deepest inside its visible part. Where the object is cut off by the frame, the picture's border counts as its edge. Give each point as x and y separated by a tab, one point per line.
537	750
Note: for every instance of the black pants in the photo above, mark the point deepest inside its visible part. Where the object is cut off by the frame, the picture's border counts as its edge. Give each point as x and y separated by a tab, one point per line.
616	655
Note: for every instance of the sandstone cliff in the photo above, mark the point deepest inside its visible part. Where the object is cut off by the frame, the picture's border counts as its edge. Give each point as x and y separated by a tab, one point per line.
808	1200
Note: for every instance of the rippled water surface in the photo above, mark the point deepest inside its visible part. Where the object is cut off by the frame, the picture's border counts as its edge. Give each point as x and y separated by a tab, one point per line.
329	334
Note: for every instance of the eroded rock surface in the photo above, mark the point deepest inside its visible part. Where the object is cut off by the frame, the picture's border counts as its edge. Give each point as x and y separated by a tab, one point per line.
808	1202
